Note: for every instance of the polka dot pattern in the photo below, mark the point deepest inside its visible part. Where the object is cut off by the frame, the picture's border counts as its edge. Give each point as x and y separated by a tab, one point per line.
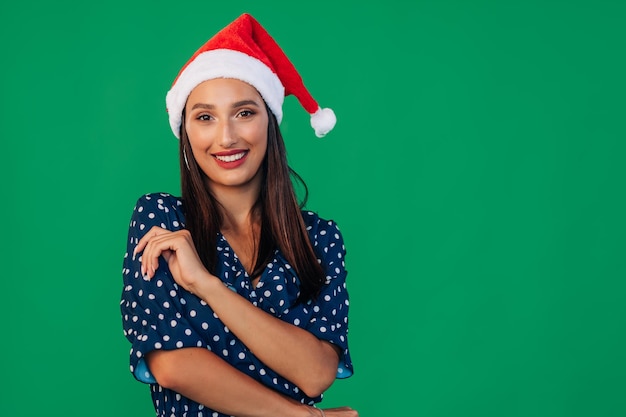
158	314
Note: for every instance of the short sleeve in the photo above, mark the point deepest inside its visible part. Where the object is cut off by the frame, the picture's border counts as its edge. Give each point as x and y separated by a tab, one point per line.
153	311
327	316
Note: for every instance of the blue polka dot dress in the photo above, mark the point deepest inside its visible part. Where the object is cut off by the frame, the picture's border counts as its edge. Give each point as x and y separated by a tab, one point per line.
158	314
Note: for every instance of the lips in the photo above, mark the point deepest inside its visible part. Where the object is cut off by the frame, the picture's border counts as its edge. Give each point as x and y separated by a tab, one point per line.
230	159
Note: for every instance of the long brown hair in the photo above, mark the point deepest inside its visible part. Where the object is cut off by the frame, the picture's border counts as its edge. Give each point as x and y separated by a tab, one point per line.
282	226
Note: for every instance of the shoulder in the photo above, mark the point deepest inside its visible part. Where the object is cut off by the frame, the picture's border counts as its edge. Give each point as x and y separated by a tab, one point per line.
158	200
158	208
314	222
323	233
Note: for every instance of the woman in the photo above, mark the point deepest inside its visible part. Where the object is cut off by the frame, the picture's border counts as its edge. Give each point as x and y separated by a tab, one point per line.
235	300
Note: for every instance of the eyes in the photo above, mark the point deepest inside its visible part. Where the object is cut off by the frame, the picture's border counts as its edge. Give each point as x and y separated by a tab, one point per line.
246	113
242	114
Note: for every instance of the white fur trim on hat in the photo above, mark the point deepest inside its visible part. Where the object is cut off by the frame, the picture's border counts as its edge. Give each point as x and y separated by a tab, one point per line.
224	63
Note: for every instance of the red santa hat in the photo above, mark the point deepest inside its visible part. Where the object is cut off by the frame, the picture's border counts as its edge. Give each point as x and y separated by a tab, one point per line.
243	50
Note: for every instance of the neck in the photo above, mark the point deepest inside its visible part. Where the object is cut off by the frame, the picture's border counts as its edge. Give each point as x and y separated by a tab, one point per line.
236	205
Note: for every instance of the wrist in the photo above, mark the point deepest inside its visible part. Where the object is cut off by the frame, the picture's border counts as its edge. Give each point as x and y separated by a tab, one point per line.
206	285
309	411
294	408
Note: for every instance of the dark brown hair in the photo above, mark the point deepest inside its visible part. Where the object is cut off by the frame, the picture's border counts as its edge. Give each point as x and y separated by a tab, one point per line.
282	226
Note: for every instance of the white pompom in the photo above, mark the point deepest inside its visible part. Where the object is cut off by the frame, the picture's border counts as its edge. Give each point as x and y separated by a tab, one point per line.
323	121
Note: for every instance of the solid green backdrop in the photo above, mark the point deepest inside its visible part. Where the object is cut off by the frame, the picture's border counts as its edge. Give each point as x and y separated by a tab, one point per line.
476	171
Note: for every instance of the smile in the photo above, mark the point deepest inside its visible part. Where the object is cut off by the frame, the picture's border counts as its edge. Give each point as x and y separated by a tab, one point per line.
230	158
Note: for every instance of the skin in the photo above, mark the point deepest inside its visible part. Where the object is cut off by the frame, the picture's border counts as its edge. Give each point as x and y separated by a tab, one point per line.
227	118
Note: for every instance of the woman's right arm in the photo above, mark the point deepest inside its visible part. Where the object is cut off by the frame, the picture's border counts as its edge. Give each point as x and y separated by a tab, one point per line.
200	375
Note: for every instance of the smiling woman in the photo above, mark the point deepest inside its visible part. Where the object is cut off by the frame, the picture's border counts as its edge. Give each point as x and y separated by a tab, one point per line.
235	300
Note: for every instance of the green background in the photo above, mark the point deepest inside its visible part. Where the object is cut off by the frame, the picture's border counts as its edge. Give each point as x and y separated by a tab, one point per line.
477	172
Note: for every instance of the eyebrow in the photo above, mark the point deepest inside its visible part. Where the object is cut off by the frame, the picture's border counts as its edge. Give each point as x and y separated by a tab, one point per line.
235	105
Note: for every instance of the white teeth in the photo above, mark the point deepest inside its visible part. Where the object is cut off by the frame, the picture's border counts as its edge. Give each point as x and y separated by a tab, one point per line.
230	158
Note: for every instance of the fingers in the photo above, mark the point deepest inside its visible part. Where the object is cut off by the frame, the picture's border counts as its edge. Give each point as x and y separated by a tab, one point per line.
154	231
160	242
333	412
340	412
152	245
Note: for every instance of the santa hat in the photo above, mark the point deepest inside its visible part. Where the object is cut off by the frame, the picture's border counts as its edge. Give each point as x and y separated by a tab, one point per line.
243	50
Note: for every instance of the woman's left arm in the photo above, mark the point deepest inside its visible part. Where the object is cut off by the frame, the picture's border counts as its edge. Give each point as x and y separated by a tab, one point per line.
289	350
292	352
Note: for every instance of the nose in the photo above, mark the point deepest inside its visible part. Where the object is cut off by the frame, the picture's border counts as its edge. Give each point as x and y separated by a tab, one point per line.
226	134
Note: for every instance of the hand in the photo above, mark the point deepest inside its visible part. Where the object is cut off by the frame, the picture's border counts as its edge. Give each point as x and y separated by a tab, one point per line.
334	412
179	252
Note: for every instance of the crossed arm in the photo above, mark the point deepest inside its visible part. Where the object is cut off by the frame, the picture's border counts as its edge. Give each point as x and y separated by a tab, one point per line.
197	373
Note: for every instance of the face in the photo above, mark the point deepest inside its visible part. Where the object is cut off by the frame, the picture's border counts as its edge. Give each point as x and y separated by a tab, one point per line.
226	122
